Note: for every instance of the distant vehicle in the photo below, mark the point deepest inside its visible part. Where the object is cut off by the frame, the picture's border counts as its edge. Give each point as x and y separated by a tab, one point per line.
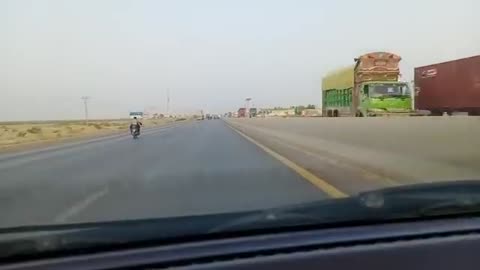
208	116
368	88
216	116
252	112
242	112
449	87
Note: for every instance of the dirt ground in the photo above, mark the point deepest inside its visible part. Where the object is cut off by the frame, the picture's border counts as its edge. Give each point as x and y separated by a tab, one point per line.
15	134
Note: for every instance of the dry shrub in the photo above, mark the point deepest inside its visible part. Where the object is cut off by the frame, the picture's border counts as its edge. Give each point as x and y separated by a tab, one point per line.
34	130
97	126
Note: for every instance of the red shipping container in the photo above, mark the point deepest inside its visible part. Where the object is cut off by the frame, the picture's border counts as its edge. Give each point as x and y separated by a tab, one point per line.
449	87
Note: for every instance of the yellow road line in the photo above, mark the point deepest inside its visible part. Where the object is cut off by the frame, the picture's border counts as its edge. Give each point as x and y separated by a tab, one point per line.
316	181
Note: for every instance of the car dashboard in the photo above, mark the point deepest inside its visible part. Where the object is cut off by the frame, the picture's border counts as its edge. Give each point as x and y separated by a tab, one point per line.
426	244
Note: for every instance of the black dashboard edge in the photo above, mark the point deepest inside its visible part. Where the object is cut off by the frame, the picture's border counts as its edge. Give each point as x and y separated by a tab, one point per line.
249	246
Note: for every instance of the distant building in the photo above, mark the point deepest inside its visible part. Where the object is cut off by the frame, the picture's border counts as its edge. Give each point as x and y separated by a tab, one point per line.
158	115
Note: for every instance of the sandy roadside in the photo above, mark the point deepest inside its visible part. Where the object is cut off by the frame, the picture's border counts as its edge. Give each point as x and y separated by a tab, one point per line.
29	135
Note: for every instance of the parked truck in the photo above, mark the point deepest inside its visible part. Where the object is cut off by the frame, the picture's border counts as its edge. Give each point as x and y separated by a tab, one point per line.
449	87
252	112
242	112
370	87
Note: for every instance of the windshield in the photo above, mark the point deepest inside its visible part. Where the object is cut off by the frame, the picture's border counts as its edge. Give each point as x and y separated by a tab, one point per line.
386	90
206	112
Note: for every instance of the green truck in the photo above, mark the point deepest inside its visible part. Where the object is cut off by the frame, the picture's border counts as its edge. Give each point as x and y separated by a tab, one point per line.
370	87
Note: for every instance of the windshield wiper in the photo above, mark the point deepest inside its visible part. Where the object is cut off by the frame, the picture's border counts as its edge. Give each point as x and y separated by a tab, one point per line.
405	202
452	208
431	199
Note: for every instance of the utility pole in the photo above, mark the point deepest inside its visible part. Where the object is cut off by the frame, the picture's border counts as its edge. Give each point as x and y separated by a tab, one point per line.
168	102
413	93
85	103
247	103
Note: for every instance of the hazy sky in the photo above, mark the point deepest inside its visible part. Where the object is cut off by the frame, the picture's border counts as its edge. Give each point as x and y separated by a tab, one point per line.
211	54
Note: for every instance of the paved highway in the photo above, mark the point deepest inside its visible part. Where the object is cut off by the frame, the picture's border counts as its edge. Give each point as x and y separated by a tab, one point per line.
193	168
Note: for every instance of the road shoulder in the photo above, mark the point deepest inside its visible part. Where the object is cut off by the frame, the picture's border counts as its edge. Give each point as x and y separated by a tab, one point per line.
342	175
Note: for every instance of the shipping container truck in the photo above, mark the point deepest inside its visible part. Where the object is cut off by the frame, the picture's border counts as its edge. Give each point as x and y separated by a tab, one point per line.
449	87
370	87
242	112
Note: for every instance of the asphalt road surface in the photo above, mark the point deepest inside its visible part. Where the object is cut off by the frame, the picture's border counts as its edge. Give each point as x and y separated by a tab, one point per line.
193	168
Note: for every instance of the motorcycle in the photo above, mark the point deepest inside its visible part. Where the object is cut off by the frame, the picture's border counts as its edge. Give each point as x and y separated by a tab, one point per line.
135	132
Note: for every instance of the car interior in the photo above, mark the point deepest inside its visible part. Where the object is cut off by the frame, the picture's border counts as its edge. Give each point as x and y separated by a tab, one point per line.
450	243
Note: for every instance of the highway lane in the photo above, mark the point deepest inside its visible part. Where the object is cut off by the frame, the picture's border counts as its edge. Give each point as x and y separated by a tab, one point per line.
193	168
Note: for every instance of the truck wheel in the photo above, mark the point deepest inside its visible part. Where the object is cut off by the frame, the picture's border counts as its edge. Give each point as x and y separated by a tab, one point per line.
335	113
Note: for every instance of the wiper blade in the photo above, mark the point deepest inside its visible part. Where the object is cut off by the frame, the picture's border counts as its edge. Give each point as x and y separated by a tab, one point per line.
412	201
452	208
327	210
431	199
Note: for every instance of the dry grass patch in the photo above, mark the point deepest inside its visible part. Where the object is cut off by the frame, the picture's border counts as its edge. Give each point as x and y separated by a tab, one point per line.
24	133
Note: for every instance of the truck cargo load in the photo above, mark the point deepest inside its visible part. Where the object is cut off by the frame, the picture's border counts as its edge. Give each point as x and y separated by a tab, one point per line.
449	87
370	87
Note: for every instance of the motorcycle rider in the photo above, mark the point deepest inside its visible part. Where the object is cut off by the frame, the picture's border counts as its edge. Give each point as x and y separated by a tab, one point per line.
135	124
